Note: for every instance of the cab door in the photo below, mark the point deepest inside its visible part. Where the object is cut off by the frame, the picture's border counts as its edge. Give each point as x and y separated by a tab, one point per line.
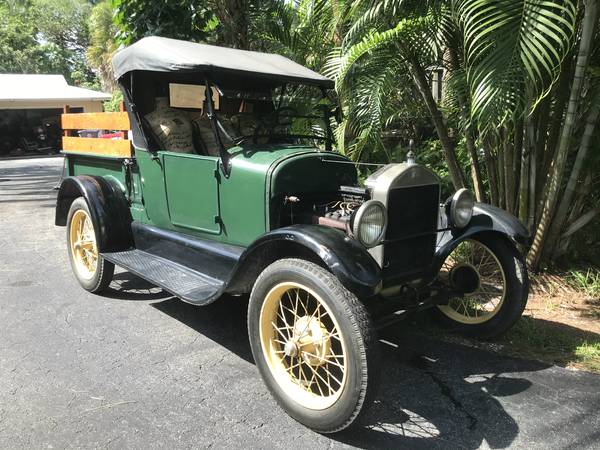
192	191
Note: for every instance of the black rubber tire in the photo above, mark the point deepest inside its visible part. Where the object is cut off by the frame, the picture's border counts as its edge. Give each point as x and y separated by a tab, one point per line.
105	269
517	281
356	325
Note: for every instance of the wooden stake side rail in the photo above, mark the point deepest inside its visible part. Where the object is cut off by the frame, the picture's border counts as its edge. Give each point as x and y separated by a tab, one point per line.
113	121
97	146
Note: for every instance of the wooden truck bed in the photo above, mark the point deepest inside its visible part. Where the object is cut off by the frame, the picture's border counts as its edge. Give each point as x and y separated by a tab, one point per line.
100	147
94	155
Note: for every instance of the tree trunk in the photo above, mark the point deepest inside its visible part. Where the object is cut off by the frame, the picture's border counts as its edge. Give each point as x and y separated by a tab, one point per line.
576	219
509	175
556	119
532	174
581	192
524	183
516	167
475	167
501	170
491	170
420	78
233	15
567	199
541	137
553	188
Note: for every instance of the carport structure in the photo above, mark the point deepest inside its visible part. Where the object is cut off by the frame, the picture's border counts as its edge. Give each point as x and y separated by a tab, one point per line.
30	108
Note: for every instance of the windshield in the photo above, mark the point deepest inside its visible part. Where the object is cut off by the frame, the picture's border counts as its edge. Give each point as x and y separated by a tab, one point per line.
289	114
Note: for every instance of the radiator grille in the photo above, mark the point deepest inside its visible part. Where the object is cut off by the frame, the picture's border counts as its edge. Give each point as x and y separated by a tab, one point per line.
411	232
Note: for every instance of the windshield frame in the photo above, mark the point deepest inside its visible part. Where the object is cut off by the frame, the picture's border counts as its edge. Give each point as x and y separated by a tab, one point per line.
136	85
278	100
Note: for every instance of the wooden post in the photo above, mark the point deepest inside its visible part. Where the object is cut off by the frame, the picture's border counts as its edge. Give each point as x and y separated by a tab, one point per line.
66	110
122	109
67	133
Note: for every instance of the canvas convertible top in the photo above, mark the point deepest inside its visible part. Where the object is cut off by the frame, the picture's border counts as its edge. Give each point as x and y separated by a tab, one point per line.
160	54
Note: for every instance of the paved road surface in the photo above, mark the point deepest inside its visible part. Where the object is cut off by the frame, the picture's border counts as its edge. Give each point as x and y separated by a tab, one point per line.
138	369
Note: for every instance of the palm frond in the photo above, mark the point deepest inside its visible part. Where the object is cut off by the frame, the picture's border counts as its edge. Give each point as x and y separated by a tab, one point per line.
376	12
513	51
412	35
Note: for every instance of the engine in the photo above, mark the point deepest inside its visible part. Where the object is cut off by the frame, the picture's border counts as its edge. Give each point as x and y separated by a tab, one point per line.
338	213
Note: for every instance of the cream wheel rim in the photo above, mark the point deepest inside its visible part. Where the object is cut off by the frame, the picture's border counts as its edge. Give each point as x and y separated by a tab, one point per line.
82	240
303	345
484	302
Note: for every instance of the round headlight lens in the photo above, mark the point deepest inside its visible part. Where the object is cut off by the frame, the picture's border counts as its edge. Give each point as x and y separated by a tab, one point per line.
370	223
461	207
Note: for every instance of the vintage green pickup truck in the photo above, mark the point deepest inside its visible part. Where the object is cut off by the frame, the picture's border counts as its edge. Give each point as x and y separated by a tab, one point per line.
227	182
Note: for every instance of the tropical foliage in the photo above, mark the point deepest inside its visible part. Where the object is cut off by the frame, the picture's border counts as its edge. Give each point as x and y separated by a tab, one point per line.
178	19
520	77
102	44
233	23
45	36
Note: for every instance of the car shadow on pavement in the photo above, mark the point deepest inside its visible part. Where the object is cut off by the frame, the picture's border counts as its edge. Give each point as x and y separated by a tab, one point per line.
439	395
432	394
223	321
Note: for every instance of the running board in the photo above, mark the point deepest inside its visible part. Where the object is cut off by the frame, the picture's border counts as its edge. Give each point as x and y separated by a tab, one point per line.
183	282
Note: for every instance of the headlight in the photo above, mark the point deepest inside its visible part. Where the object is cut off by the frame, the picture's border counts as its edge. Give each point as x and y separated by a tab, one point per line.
461	208
368	225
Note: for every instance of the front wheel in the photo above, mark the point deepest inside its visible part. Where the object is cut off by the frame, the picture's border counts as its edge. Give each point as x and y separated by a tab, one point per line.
313	343
491	273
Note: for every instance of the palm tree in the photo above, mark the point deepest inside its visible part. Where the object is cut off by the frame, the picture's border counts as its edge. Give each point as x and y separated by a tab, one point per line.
102	44
375	54
588	26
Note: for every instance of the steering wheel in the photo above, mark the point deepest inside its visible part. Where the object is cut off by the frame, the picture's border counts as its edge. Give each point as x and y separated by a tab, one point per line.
259	129
262	134
270	122
244	126
291	112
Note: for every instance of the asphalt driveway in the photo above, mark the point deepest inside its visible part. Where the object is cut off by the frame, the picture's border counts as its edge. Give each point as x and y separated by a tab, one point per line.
137	368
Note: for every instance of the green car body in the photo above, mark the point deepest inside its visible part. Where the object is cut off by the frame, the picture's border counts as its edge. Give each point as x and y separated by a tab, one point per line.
189	196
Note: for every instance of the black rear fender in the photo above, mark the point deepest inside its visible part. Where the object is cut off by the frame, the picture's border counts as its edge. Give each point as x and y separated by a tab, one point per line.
350	262
108	207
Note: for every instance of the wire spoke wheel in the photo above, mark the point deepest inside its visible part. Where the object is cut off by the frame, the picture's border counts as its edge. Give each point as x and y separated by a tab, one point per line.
92	271
314	344
303	345
82	240
488	291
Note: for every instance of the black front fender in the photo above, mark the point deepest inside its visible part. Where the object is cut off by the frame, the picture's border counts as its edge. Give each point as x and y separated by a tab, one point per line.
108	207
349	261
486	218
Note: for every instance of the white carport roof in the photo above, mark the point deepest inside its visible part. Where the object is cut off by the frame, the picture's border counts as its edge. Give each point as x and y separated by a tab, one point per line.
20	87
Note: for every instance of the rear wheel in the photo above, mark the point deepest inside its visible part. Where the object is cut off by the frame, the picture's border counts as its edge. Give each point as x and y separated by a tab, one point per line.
92	271
313	343
492	275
